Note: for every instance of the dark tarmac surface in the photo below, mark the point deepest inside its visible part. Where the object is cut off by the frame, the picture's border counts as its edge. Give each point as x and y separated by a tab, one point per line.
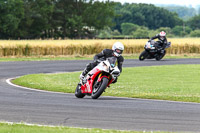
17	104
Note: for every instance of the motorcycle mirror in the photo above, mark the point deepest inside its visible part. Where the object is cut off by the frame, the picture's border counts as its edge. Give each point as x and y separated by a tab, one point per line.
112	65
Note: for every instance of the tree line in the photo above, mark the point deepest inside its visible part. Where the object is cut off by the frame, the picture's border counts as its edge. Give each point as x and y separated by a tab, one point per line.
146	20
33	19
183	12
30	19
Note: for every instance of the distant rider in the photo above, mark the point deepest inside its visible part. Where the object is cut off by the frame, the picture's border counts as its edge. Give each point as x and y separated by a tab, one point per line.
161	44
117	50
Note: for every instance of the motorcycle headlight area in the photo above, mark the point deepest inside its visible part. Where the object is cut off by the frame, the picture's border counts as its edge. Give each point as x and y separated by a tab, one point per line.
115	73
149	46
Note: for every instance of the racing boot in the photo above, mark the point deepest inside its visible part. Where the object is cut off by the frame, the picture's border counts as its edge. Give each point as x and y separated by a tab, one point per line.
82	76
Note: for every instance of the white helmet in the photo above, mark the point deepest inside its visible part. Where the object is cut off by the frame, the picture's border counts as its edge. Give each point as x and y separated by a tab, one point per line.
118	48
162	35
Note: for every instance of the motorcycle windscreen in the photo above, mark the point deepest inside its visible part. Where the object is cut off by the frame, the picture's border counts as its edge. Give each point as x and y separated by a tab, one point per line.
112	61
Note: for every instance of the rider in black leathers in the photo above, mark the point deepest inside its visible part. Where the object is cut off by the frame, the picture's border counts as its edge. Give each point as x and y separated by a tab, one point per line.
161	44
116	50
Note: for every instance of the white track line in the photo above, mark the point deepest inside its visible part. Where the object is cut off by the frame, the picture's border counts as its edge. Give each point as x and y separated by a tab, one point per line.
26	88
28	124
52	126
39	125
8	81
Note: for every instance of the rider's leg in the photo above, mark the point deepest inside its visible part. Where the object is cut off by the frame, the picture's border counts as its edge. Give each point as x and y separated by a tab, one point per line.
88	68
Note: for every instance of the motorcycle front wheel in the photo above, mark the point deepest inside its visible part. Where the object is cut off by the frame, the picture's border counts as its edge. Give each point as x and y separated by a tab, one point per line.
143	55
99	87
78	92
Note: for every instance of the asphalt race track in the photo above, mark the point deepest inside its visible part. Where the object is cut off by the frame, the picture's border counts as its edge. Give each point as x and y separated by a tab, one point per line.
22	105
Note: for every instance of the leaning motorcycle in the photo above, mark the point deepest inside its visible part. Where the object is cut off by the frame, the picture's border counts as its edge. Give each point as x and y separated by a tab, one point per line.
151	51
98	79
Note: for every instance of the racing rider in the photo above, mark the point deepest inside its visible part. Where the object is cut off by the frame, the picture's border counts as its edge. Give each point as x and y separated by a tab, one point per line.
117	50
161	44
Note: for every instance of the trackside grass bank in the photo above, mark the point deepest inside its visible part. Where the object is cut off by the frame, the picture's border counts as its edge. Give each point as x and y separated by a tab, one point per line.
173	82
47	58
89	47
22	128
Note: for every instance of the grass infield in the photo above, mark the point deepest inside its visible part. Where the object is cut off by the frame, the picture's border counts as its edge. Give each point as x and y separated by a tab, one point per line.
173	82
22	128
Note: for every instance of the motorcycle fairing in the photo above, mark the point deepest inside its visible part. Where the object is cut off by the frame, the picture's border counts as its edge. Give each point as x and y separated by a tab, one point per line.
87	87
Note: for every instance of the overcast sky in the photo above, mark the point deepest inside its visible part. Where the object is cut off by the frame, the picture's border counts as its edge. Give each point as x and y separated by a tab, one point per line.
193	3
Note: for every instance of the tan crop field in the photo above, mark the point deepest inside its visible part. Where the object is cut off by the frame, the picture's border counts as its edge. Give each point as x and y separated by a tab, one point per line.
88	47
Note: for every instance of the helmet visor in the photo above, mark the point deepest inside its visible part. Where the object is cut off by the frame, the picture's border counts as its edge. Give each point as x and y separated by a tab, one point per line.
119	51
162	37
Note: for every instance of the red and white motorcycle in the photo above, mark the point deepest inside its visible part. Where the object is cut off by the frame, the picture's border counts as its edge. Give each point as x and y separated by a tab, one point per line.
98	79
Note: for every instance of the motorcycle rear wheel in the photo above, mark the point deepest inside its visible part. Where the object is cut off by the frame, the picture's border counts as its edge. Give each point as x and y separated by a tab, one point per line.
78	92
98	90
161	56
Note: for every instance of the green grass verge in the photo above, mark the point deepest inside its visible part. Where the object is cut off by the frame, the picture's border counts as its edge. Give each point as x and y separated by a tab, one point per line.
77	57
185	56
22	128
5	59
174	82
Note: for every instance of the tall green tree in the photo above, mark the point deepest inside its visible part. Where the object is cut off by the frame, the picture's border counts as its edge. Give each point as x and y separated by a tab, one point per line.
67	18
11	14
181	30
141	32
37	20
194	22
146	15
183	12
195	33
31	19
99	14
128	28
76	18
